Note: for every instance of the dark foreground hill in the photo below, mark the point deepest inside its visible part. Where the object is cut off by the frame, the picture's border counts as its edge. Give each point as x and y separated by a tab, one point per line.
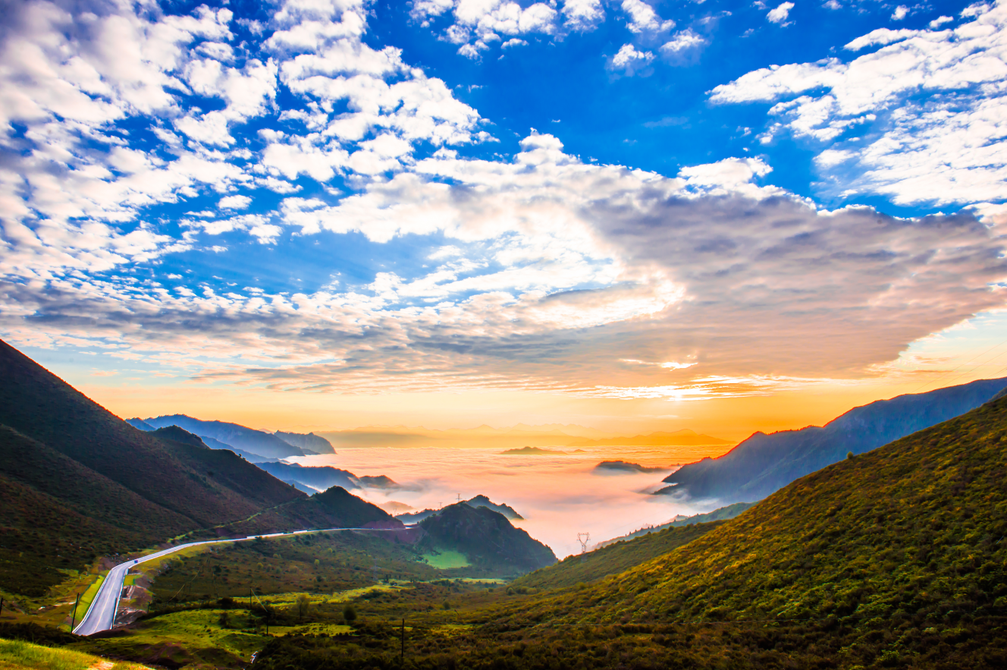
765	463
77	482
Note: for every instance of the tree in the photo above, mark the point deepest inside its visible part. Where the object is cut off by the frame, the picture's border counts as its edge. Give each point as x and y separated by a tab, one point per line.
349	614
302	605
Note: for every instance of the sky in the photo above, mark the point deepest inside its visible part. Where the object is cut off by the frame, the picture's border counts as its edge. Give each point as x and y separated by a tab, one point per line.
630	215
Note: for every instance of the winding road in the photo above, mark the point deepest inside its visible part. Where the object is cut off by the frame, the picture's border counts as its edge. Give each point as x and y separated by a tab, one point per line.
101	614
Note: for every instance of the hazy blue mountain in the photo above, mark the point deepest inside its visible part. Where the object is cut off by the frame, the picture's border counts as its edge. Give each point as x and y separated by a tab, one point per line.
764	463
321	478
140	424
309	443
232	435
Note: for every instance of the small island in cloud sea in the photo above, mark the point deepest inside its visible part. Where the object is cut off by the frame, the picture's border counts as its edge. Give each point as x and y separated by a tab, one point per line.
532	451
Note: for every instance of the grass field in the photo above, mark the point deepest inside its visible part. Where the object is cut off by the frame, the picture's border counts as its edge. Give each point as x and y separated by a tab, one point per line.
446	560
19	654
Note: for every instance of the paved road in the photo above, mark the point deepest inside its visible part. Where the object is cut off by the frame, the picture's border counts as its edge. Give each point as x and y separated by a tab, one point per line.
101	614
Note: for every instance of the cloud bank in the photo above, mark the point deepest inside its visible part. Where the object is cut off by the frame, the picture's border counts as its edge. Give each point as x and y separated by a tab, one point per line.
531	269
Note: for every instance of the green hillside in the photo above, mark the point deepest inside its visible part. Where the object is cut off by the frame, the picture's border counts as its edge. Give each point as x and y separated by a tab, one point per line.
77	482
913	529
612	558
486	538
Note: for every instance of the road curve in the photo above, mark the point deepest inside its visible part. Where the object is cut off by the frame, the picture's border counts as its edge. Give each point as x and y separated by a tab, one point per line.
101	614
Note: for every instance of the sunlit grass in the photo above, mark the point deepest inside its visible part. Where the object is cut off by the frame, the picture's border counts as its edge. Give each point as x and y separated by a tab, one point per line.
20	654
446	560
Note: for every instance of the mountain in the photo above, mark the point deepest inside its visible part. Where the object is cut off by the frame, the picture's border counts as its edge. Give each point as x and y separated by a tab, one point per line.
77	482
506	510
233	435
320	478
478	501
623	467
907	537
140	424
531	451
486	538
337	508
309	443
764	463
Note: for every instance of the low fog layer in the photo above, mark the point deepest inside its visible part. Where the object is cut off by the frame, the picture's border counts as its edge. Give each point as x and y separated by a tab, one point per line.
558	494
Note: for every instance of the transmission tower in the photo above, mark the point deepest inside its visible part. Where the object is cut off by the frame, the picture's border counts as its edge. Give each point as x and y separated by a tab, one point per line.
583	538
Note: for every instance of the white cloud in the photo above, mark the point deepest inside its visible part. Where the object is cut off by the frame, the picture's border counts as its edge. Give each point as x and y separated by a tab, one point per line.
900	13
583	14
643	19
974	10
629	58
681	41
480	23
235	202
541	260
687	271
940	21
781	13
942	147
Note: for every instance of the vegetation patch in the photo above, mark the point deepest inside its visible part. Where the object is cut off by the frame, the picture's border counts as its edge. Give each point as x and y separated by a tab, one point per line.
20	654
445	559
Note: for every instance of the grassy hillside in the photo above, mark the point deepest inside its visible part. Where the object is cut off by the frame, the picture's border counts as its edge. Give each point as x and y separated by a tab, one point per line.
900	549
612	558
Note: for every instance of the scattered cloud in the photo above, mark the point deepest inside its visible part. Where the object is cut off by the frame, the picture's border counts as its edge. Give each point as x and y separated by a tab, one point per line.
781	13
682	41
629	59
923	113
235	202
583	14
900	13
641	18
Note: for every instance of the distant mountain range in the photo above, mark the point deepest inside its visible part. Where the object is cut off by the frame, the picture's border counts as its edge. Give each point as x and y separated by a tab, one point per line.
764	463
255	445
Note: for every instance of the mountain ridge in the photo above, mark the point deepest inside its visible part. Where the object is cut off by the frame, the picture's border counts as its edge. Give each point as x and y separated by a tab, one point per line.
763	463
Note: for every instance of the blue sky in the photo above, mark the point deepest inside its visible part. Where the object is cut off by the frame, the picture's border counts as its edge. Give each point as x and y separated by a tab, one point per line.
622	199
